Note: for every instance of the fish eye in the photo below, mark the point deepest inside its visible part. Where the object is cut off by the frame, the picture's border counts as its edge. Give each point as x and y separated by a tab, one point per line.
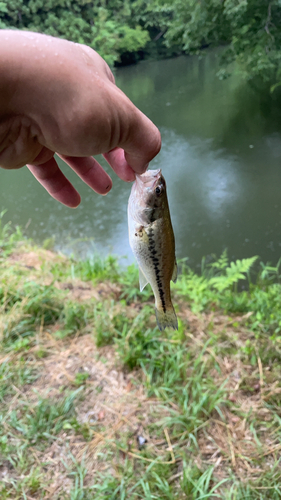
158	190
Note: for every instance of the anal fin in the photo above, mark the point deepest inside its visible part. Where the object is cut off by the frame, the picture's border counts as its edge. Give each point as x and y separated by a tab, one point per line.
175	272
143	280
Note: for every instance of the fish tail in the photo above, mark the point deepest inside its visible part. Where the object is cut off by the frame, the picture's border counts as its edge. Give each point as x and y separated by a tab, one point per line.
166	318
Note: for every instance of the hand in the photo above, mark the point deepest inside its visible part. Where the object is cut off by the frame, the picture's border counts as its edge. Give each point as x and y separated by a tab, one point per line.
60	97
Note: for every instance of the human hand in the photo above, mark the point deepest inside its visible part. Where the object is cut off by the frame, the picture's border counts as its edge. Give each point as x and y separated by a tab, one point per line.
60	97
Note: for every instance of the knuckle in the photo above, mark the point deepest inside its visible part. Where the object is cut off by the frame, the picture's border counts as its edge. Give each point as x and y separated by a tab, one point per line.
18	143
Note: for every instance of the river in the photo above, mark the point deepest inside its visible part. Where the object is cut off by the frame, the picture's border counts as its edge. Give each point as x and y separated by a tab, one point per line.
221	157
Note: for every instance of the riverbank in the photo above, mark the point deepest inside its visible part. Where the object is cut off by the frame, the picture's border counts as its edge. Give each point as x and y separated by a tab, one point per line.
95	402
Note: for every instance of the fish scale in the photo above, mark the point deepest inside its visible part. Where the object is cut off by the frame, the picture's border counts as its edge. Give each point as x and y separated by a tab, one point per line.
152	241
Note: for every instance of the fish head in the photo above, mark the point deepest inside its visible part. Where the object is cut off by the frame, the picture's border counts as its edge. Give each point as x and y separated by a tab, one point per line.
151	188
148	196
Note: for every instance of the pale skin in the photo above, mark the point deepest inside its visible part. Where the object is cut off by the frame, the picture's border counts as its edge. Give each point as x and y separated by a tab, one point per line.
60	97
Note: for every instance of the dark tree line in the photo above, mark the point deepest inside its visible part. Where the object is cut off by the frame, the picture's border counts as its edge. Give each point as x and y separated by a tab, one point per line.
127	30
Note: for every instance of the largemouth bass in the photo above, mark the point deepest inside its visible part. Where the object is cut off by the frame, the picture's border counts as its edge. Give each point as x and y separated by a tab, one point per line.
152	241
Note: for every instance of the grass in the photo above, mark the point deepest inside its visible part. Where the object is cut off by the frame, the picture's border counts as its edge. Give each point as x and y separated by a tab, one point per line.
96	402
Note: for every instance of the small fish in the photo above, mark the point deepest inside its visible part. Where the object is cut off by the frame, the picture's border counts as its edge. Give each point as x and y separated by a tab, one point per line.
152	240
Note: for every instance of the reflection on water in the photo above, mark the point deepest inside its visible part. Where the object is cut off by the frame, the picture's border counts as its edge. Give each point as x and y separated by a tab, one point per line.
221	158
217	201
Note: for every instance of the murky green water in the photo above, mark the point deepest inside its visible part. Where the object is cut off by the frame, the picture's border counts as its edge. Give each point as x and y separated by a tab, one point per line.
221	157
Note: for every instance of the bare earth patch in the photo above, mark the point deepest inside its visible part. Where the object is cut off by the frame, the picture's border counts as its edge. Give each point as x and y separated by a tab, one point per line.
35	259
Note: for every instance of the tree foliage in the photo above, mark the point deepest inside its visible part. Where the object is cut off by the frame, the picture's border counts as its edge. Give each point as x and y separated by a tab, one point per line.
108	27
249	28
125	30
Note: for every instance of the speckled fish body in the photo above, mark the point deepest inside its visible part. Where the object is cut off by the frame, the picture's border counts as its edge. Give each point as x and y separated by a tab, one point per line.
152	241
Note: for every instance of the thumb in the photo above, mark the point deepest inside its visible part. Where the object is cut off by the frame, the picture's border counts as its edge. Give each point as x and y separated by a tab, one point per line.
142	144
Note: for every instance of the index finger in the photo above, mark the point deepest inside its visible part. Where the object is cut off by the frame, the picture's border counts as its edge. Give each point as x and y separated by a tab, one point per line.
117	161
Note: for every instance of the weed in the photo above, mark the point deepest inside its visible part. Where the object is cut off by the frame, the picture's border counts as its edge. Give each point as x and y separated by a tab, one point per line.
131	288
75	316
9	237
45	420
104	327
80	378
14	375
26	305
199	485
94	269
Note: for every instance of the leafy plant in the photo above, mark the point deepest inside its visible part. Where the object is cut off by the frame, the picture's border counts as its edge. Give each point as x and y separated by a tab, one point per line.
8	236
248	28
46	420
110	28
199	485
232	274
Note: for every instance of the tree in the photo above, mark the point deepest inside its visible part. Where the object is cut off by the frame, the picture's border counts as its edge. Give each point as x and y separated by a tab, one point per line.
124	30
108	27
249	28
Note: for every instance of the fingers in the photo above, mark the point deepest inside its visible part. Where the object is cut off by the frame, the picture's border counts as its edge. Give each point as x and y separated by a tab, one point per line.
91	172
44	155
116	159
54	181
59	187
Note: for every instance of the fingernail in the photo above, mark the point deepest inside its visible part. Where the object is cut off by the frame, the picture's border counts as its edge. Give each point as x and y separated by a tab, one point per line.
106	190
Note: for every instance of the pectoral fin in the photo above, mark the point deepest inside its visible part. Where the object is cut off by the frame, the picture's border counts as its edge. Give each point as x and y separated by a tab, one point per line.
175	272
143	280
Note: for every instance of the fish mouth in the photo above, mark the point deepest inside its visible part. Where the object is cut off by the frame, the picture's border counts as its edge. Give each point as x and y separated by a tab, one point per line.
149	179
